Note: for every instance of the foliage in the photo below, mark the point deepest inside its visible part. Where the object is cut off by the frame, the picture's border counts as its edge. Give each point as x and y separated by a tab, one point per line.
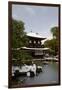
19	39
53	44
25	55
55	32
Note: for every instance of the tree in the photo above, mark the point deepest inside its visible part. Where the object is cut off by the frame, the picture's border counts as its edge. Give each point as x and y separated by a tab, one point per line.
19	39
53	44
55	32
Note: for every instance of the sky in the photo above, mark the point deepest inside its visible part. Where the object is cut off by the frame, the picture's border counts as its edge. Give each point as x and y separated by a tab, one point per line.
38	19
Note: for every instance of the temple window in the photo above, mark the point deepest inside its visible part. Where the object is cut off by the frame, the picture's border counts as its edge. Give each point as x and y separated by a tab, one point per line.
34	42
38	42
30	41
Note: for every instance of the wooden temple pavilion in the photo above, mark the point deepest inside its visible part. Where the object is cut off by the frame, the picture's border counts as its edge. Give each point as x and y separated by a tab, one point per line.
35	46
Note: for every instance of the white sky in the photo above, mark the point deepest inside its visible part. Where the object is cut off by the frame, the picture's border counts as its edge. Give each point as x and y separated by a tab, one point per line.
38	19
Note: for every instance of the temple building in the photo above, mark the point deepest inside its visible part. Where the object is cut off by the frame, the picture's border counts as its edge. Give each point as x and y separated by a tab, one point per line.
35	46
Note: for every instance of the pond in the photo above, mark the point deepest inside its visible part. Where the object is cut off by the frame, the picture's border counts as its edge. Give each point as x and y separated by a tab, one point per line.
49	75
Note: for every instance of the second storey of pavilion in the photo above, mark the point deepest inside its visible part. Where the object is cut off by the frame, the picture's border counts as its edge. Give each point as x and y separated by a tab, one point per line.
35	40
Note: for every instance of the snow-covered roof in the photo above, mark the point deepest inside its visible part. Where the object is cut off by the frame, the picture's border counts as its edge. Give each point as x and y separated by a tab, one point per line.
36	35
35	48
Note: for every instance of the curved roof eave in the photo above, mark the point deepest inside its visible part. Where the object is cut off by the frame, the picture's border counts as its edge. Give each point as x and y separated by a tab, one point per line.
35	35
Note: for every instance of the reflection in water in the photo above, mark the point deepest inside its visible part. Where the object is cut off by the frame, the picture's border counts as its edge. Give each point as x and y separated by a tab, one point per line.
48	76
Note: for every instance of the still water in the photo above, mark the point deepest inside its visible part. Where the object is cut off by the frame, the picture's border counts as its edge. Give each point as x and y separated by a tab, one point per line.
49	75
